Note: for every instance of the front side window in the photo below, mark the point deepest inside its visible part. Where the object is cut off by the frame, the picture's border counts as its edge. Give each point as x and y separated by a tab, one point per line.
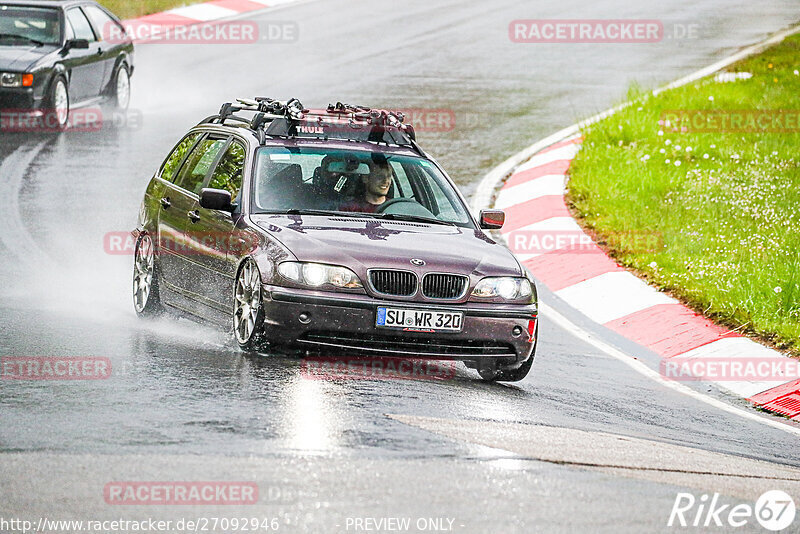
80	25
197	165
25	25
228	173
376	184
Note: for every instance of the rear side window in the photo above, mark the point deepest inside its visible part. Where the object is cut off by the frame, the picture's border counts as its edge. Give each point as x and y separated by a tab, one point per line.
229	171
103	24
172	163
80	25
196	168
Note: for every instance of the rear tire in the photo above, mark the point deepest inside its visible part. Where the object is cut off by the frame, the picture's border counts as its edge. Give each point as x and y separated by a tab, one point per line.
121	88
248	313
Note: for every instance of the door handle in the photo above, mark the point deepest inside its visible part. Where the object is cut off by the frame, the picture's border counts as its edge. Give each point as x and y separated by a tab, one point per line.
194	216
100	51
165	203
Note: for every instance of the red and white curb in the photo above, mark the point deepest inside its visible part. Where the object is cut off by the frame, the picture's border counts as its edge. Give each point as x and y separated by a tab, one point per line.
580	273
205	12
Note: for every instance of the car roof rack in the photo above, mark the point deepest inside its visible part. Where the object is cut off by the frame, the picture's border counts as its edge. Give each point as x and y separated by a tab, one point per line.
290	119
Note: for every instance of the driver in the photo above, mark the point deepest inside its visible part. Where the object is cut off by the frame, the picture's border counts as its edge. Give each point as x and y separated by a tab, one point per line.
376	184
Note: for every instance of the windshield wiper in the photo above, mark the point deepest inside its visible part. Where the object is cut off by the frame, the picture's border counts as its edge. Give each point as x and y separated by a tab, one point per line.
22	37
331	213
411	218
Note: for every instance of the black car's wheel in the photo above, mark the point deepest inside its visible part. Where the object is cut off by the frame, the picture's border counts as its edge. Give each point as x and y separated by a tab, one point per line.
57	105
145	282
248	314
513	375
121	89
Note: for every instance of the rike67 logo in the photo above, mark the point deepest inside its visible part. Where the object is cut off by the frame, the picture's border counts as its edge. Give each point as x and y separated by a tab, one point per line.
774	510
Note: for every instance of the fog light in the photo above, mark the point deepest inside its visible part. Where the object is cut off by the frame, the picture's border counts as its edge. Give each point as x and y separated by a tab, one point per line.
517	331
304	318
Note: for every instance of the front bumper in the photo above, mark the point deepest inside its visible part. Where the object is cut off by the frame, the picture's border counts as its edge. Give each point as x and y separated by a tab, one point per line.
343	322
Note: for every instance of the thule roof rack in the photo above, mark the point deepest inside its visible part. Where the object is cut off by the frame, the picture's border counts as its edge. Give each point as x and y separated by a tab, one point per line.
269	118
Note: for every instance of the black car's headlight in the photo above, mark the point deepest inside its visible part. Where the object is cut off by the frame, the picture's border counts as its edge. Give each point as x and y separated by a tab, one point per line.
14	79
504	287
319	275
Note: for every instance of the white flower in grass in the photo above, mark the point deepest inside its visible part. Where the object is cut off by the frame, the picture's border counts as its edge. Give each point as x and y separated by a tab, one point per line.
778	289
662	151
677	147
688	149
710	98
667	142
677	163
797	73
667	162
713	146
661	132
645	157
705	156
653	265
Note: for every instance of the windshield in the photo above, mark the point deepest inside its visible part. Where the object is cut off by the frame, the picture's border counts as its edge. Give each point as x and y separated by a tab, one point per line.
347	182
24	26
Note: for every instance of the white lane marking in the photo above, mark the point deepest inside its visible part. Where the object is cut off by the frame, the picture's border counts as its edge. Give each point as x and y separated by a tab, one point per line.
15	235
644	370
203	12
743	349
611	296
550	184
557	154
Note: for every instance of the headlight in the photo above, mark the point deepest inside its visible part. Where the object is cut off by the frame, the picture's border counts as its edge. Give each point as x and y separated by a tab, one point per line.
319	274
505	287
13	79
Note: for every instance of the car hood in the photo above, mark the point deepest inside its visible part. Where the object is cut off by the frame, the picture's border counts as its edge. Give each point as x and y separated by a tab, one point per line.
19	58
364	243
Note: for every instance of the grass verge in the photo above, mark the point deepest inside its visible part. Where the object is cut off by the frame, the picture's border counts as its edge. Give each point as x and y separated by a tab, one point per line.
722	197
127	9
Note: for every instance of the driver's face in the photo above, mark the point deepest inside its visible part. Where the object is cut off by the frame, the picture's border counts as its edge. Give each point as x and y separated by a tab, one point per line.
379	181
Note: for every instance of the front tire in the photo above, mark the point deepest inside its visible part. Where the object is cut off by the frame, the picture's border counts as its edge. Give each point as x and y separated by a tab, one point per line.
512	375
146	300
56	112
248	313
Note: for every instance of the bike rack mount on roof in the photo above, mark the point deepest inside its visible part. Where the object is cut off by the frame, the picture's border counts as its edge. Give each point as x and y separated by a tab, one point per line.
274	118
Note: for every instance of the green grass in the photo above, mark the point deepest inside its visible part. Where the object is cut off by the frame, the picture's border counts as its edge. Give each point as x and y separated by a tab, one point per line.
726	206
127	9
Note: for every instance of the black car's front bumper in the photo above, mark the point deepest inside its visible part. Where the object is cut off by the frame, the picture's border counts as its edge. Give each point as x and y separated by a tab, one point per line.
335	322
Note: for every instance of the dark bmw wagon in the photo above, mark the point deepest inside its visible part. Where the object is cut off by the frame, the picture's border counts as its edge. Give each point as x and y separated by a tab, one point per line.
329	230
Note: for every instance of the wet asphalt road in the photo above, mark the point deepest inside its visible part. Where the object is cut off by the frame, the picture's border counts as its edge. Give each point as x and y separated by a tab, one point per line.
181	394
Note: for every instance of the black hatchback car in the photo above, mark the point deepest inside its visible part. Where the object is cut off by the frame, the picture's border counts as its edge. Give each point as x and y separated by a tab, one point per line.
329	230
57	55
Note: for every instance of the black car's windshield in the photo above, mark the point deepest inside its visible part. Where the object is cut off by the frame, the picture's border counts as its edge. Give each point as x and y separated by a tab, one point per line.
351	182
23	26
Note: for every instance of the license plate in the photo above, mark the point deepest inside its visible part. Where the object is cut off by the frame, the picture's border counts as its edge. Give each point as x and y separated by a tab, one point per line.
428	320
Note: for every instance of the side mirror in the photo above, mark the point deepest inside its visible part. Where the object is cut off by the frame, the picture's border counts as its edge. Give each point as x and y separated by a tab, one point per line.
215	199
492	219
80	44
